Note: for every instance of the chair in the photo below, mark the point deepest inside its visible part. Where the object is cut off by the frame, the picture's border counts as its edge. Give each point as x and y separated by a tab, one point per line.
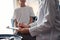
34	18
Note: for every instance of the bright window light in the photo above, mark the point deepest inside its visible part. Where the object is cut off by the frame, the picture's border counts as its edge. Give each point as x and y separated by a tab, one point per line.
6	13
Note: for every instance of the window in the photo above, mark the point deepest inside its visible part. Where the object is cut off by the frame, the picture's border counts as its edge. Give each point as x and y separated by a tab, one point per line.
6	12
59	2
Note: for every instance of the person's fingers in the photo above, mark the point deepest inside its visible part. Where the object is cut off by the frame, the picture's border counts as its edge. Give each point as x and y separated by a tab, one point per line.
25	30
19	24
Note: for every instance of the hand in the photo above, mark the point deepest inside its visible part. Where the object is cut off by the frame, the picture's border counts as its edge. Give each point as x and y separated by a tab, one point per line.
20	25
23	25
24	30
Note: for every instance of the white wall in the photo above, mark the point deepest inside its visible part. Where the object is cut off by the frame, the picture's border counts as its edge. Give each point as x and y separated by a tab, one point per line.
34	4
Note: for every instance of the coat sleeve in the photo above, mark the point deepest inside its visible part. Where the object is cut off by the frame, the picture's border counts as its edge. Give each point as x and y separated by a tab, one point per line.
42	25
45	25
40	28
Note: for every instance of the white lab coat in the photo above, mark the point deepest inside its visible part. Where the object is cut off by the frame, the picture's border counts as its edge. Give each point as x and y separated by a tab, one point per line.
44	30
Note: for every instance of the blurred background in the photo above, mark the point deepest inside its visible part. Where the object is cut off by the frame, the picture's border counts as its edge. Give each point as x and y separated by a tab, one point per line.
6	13
7	9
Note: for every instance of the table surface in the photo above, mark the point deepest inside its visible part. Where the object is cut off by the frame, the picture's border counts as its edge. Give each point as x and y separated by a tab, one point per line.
3	36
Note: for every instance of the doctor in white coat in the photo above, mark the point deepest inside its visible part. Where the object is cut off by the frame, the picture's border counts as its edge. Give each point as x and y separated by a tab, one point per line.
44	27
